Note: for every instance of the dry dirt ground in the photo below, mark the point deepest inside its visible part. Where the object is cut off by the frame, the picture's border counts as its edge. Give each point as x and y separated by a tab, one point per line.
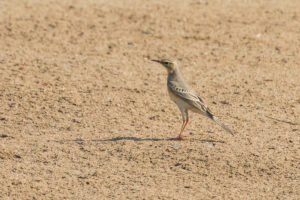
84	114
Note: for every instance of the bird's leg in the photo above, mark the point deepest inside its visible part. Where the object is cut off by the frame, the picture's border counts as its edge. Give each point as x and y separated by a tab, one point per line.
181	136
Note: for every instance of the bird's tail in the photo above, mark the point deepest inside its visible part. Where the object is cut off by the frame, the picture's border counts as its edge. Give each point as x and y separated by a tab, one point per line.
214	118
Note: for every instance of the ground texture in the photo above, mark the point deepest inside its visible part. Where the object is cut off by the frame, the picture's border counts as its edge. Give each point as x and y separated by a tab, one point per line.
84	114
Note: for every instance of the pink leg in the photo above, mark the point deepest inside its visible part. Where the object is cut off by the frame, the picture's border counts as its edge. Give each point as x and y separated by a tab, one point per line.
181	136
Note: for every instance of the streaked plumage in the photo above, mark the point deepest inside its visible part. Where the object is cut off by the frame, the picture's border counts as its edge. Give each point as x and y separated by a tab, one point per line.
185	97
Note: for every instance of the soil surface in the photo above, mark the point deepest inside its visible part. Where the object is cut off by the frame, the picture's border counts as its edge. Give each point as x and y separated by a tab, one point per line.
84	113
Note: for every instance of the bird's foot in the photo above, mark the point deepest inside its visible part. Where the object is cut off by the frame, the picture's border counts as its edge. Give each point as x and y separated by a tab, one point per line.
182	137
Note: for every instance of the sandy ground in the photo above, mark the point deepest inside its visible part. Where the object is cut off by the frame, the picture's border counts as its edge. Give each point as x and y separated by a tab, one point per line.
84	114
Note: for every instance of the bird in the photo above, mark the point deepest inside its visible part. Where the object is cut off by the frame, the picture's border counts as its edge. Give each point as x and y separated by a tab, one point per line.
185	97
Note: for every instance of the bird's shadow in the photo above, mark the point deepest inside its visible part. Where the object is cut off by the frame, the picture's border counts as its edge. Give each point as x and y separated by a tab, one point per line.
136	139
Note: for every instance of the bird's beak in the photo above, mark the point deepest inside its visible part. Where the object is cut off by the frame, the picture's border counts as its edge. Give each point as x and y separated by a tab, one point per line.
156	61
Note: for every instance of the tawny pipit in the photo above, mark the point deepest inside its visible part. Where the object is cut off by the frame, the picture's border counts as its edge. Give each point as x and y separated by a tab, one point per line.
185	98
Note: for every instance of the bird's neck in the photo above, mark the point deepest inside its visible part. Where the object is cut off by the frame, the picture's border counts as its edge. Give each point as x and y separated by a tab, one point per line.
175	75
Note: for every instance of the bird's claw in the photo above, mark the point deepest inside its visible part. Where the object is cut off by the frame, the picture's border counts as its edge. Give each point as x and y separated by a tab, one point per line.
181	137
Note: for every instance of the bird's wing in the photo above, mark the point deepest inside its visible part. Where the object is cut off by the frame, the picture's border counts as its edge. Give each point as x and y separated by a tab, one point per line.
189	96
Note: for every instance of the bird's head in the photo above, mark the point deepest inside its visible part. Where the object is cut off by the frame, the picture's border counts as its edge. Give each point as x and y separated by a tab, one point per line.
169	64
